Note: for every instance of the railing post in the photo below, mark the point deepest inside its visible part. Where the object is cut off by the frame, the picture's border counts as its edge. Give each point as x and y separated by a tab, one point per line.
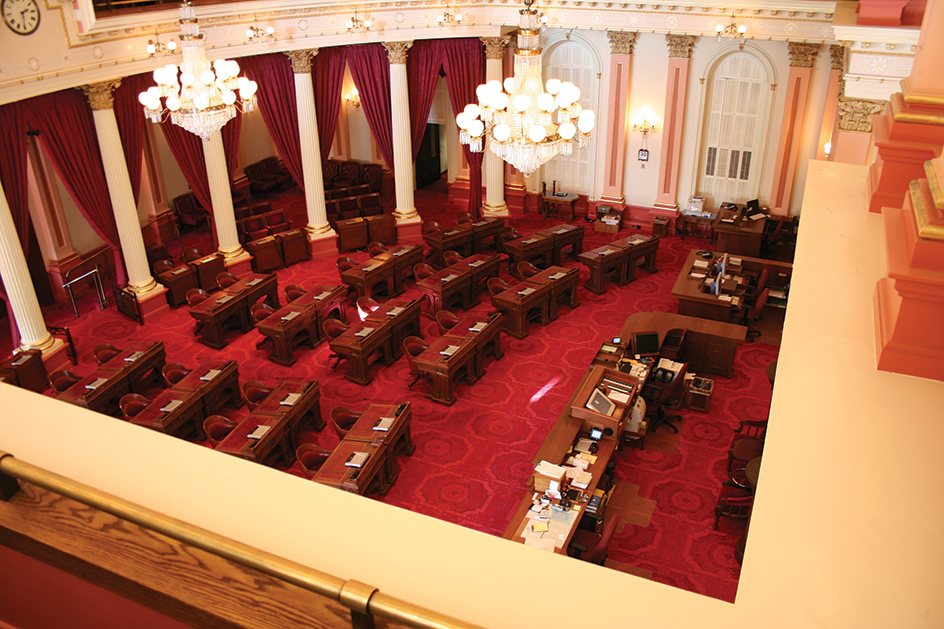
8	485
356	597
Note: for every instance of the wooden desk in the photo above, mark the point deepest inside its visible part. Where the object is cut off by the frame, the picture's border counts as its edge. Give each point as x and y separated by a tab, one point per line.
352	234
709	345
367	276
696	224
25	370
187	415
404	257
294	246
603	261
304	411
364	480
564	236
219	311
458	239
563	282
216	389
443	371
518	307
486	341
567	203
178	281
404	323
397	438
442	292
104	397
252	286
381	228
743	237
266	254
485	234
360	350
207	268
535	248
329	303
141	363
287	327
641	248
481	267
694	302
266	450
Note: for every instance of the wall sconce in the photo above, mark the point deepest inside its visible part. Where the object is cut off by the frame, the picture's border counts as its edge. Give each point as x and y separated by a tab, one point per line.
828	148
449	19
353	99
357	24
733	30
644	128
156	47
254	33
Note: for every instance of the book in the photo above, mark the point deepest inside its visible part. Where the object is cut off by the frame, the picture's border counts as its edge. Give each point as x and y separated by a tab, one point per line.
253	282
259	432
525	291
171	406
210	375
357	459
609	349
700	264
582	480
384	423
556	276
290	316
539	527
290	399
449	351
94	384
449	278
224	299
130	359
394	311
363	332
476	263
322	295
478	327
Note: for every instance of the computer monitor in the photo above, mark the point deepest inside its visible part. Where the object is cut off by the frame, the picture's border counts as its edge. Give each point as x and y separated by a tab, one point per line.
753	207
596	434
646	344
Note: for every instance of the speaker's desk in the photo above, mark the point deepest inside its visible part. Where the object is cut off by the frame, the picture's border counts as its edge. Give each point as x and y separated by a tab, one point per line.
738	236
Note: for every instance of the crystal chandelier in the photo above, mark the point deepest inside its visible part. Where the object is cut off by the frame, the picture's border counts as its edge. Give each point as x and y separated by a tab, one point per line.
203	98
518	122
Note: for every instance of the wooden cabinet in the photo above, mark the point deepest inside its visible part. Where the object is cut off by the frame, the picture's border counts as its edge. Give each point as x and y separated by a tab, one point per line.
382	228
710	354
352	234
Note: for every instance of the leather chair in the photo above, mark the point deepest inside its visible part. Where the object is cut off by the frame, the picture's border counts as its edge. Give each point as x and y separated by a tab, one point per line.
768	246
226	279
673	345
496	285
733	503
259	180
195	296
276	222
344	263
658	392
464	218
451	257
311	457
216	427
253	228
748	444
349	172
274	168
370	204
254	391
349	208
261	311
376	248
342	418
430	227
173	373
506	234
413	346
526	269
63	379
333	328
132	404
588	546
192	254
293	292
163	266
446	321
365	306
752	315
105	352
189	211
421	271
371	175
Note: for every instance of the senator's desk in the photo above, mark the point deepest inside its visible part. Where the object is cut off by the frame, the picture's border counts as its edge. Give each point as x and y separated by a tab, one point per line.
563	236
178	281
519	301
563	282
443	371
294	246
254	286
305	410
481	267
485	233
709	345
266	254
174	412
359	350
140	363
328	301
217	312
278	440
403	323
486	341
641	248
206	269
397	438
535	248
743	237
459	238
352	234
404	257
25	370
444	286
217	381
363	480
287	327
565	202
99	391
367	276
603	261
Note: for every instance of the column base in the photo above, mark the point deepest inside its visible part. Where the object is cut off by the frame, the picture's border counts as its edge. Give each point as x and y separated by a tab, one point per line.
410	228
323	243
496	210
55	357
515	199
239	264
152	303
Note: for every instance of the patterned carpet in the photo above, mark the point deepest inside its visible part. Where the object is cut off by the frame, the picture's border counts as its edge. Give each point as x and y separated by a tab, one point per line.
473	460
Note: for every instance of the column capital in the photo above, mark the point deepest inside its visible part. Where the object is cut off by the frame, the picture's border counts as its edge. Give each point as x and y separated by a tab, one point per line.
680	46
837	54
495	46
301	59
101	95
396	51
621	43
802	55
856	115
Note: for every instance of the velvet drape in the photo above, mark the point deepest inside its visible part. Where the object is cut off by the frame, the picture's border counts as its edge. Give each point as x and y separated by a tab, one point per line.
131	121
423	65
370	69
13	164
328	78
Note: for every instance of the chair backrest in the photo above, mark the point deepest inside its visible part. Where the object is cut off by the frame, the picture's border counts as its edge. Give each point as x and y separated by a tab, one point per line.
293	292
254	392
526	269
105	352
421	271
192	254
256	172
187	204
446	321
366	305
275	217
497	285
656	392
132	404
598	554
778	231
195	296
376	248
331	168
754	429
63	379
311	456
333	328
350	170
754	313
260	312
464	218
342	418
162	266
761	281
450	257
431	226
673	344
216	427
225	279
345	263
413	346
508	233
173	373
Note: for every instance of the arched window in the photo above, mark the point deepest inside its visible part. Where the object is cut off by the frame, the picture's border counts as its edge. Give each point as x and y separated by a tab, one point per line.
736	118
571	60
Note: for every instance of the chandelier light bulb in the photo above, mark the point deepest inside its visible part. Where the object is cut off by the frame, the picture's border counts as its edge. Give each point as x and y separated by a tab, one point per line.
462	120
349	25
501	100
173	103
501	132
521	102
537	133
201	102
367	24
509	84
476	128
249	91
742	29
250	32
207	77
150	48
186	79
553	86
458	17
546	102
229	97
172	45
719	28
567	130
472	110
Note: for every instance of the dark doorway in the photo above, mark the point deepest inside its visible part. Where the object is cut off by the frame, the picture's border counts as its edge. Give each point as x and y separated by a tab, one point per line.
428	169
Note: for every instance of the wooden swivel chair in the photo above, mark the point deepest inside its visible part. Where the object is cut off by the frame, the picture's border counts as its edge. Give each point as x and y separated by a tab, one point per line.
254	392
261	311
105	352
421	271
195	296
192	254
311	457
506	234
226	279
216	427
588	546
413	346
63	379
293	292
446	321
451	257
132	404
376	248
163	266
733	503
464	218
173	373
496	286
342	418
526	269
430	227
660	389
333	328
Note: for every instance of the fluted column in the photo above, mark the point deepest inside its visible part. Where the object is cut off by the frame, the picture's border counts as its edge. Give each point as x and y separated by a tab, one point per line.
791	128
617	127
101	98
402	147
312	173
493	166
16	280
214	155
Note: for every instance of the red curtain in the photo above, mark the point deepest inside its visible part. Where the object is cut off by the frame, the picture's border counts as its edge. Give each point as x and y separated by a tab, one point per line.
67	133
13	142
327	78
464	64
278	106
370	69
423	65
129	114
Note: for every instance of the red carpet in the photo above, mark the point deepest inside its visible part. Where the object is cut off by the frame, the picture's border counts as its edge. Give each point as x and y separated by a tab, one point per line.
473	460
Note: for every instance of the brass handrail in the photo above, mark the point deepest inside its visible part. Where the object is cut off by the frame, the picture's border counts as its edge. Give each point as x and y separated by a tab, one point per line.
361	599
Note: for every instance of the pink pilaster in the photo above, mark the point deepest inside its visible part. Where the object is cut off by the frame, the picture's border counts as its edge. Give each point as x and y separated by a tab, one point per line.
794	114
621	65
828	130
676	91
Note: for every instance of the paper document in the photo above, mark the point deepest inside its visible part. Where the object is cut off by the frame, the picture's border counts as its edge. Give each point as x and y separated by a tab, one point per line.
363	332
259	432
253	282
384	423
525	291
171	406
290	399
478	327
476	263
96	383
224	299
178	270
671	365
556	276
130	359
394	311
290	316
449	351
357	459
322	295
210	374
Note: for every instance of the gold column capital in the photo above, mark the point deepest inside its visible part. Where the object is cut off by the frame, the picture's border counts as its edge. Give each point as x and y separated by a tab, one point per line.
680	46
495	46
838	57
856	114
621	43
802	55
301	60
101	95
396	51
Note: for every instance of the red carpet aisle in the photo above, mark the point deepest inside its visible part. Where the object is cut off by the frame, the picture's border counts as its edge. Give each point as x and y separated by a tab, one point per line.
473	460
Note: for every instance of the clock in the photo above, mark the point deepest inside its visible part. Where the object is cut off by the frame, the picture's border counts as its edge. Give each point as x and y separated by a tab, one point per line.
21	16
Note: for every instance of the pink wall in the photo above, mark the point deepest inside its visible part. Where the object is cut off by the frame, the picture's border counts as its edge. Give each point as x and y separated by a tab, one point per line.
850	147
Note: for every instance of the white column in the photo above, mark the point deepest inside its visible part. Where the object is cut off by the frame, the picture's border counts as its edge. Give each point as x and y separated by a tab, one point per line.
223	216
310	144
402	146
101	98
494	166
16	279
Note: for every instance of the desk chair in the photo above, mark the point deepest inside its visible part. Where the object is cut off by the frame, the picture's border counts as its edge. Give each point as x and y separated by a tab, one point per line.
430	227
254	392
446	321
63	379
216	427
526	269
132	404
464	218
342	418
733	503
421	271
293	292
748	444
658	393
506	234
376	248
588	546
192	254
226	279
365	306
173	373
162	266
105	352
344	263
753	314
768	247
333	328
413	346
311	457
673	345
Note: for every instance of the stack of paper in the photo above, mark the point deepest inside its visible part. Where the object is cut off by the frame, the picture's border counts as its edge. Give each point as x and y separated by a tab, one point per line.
582	480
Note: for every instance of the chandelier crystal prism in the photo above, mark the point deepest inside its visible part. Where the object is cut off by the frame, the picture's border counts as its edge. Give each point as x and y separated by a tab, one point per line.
198	96
524	121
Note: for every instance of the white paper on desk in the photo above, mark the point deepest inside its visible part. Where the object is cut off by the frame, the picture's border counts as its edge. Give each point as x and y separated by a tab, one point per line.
671	365
397	254
178	270
701	264
290	316
323	295
210	374
371	267
697	276
395	311
757	217
363	332
476	263
735	261
253	282
724	297
478	327
171	406
541	543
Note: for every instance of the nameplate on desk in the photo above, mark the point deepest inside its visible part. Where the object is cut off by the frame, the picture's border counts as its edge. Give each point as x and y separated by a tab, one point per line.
207	259
224	299
357	459
22	359
322	295
171	406
259	432
130	359
178	270
370	267
556	276
290	316
606	252
397	254
451	233
481	223
478	327
384	423
449	278
254	282
529	241
476	263
395	311
94	384
210	375
290	399
449	351
363	332
525	291
560	231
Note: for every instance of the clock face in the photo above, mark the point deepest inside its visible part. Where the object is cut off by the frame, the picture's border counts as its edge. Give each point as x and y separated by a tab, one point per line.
22	16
